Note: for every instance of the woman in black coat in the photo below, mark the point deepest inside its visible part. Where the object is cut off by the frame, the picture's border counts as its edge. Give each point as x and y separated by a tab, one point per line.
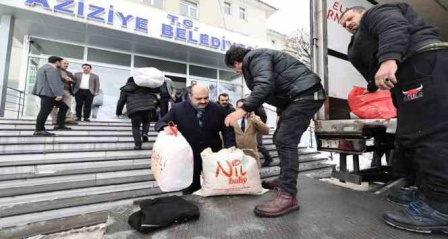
140	101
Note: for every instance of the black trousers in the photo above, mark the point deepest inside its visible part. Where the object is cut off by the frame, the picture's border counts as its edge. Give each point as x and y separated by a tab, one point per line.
164	102
197	170
294	120
143	119
84	98
46	106
422	127
262	149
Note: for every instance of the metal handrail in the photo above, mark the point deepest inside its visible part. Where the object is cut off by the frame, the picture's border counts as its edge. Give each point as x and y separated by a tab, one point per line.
17	101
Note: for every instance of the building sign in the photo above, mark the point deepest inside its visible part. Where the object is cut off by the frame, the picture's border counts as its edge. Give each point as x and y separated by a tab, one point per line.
140	19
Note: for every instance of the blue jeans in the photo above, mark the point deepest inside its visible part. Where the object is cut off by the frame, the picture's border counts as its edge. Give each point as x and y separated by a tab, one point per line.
294	120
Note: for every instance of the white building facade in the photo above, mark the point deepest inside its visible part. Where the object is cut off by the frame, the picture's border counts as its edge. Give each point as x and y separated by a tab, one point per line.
186	40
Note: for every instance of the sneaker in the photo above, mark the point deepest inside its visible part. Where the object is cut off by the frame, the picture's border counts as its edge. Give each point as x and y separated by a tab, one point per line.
281	204
87	120
418	217
62	128
403	196
43	133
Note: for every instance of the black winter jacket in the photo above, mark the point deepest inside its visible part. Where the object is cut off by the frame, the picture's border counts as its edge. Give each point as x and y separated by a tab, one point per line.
184	115
137	98
388	32
275	77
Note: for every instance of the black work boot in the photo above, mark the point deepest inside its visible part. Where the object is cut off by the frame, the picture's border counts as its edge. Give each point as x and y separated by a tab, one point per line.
418	217
279	205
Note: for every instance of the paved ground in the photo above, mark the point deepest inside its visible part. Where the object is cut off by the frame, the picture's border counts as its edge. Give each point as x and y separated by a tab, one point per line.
327	211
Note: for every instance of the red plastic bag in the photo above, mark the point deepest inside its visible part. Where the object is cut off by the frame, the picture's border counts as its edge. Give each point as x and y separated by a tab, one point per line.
376	105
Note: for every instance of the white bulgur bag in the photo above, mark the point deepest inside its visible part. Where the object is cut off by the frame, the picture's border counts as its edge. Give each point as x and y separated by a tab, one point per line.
148	77
172	161
229	172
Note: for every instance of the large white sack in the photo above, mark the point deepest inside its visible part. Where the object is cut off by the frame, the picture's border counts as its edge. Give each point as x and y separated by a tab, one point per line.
148	77
172	162
229	172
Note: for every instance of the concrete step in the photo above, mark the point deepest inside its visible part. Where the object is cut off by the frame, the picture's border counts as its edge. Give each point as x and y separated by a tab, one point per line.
37	202
51	170
68	139
38	158
57	183
48	123
26	148
22	157
101	165
124	136
74	127
16	205
8	224
79	175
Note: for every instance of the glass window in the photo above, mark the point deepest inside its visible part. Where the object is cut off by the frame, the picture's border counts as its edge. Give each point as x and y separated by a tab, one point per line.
243	13
64	50
230	77
154	3
228	8
108	57
189	9
166	66
203	72
234	91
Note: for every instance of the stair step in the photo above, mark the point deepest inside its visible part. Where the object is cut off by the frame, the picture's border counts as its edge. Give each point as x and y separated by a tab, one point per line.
10	149
22	220
74	127
57	183
38	202
30	203
37	158
48	170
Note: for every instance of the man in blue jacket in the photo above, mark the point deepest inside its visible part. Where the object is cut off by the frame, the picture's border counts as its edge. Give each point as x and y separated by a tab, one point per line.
200	121
394	49
281	80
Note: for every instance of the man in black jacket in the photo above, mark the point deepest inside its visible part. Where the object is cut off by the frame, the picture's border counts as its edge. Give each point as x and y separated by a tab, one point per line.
394	49
224	101
283	81
200	122
140	102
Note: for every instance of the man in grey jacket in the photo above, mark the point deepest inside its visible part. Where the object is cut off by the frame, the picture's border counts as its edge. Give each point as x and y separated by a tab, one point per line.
50	88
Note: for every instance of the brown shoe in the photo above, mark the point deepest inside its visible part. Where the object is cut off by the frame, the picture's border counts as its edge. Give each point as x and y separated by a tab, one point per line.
271	184
280	205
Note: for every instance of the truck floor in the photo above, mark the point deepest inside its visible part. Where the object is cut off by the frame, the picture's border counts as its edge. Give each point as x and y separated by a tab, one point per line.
327	211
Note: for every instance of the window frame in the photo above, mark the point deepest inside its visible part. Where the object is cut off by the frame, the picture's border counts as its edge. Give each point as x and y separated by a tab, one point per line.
245	13
229	5
152	3
190	5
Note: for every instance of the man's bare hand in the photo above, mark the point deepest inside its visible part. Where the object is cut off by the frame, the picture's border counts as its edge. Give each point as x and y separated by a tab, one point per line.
58	98
238	114
385	77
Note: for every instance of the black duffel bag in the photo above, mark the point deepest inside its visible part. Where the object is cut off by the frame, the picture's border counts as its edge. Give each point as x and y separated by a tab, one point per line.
162	212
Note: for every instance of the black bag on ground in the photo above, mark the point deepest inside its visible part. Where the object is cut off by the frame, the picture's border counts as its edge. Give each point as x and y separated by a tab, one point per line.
162	212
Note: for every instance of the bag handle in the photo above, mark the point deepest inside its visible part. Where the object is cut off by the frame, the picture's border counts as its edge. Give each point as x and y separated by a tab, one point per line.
173	127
